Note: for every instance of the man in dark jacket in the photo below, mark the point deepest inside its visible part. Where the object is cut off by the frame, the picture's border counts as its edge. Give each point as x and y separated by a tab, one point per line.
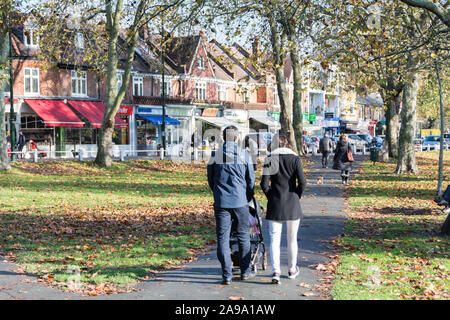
232	180
21	141
325	147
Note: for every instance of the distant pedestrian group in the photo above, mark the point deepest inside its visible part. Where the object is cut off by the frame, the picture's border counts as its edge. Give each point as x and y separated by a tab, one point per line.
231	177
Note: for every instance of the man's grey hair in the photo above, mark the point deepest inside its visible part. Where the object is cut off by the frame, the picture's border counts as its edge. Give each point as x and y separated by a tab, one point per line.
230	134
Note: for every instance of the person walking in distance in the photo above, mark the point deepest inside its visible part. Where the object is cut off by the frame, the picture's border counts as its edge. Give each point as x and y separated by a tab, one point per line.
232	180
253	149
283	183
325	147
21	142
343	158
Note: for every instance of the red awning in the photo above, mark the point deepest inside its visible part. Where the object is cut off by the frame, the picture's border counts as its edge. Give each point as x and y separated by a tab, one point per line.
55	113
7	100
94	112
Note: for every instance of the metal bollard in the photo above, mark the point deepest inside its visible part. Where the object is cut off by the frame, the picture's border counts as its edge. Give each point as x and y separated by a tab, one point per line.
35	155
314	151
80	154
122	155
195	154
364	149
161	153
428	148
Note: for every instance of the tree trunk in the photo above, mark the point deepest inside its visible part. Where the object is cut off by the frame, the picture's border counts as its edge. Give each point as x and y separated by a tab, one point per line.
445	229
4	160
104	145
393	123
406	161
442	115
114	98
286	107
297	101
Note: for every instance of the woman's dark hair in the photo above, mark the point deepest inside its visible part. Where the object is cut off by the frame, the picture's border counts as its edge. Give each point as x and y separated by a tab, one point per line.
279	141
343	137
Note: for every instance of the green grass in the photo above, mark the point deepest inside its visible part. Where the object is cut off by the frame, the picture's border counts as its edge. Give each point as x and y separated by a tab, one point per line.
391	248
115	225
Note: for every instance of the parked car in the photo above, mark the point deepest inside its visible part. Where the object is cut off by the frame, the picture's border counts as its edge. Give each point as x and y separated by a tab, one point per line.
356	142
378	140
366	137
432	142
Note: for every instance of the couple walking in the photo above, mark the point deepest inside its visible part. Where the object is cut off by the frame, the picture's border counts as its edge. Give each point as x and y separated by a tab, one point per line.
343	157
231	177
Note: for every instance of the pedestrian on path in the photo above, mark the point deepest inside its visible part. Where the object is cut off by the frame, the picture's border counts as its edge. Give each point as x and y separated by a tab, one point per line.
325	147
253	149
21	142
283	183
343	158
232	180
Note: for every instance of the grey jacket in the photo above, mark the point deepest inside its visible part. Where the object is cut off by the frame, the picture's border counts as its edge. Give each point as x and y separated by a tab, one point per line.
231	176
325	144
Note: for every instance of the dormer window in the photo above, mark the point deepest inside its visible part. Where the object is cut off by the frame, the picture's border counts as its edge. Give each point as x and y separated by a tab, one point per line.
201	63
31	37
79	40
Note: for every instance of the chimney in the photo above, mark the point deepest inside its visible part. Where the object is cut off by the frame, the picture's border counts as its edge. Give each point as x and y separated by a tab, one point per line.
202	34
256	46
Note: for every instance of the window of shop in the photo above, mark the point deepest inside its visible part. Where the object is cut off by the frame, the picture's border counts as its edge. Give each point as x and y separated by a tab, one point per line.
222	93
79	83
200	90
178	134
147	134
81	136
138	86
31	80
31	122
34	129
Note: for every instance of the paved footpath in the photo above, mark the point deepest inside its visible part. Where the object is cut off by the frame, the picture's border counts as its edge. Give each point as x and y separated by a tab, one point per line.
323	207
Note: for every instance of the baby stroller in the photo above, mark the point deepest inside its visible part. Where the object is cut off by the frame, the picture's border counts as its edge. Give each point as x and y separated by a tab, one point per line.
257	246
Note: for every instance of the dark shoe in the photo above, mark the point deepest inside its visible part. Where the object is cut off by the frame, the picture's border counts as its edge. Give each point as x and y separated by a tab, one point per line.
226	281
276	278
247	276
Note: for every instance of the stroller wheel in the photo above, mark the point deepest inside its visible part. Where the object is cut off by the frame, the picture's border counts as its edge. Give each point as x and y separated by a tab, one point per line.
264	261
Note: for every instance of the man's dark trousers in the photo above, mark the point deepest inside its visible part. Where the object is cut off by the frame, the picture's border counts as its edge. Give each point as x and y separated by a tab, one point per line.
325	158
223	228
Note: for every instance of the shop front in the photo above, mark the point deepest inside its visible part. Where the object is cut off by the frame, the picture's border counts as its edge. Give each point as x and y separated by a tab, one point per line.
85	139
42	121
210	130
329	125
263	121
149	120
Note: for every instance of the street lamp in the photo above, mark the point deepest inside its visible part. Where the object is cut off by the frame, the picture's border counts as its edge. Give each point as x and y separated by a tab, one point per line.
163	93
12	116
